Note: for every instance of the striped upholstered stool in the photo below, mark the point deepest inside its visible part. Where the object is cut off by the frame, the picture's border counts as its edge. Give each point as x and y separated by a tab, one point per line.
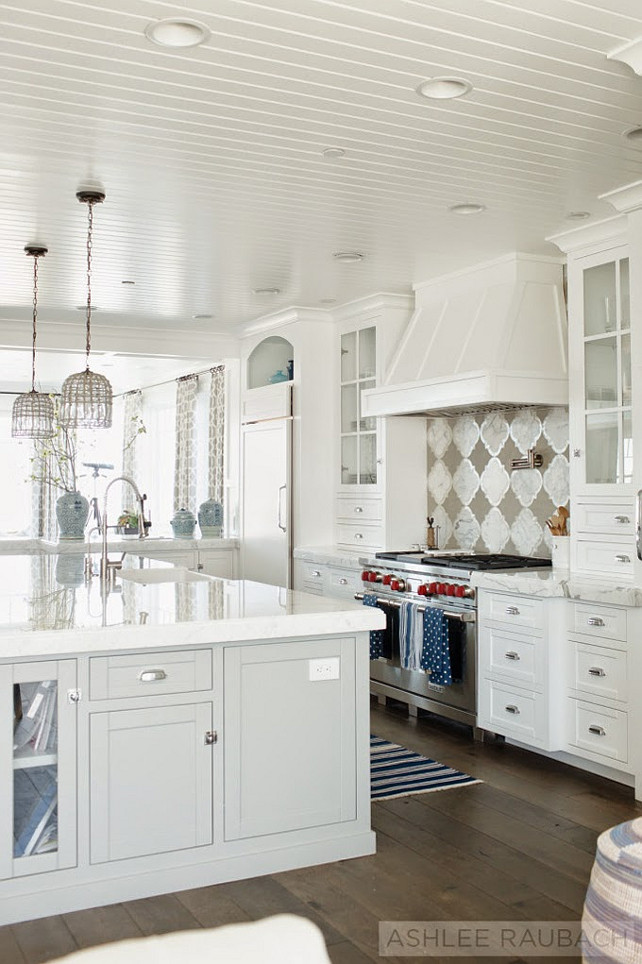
612	918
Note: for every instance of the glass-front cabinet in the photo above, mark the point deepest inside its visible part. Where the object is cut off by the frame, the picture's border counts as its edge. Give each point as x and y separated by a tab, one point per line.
358	434
37	744
607	401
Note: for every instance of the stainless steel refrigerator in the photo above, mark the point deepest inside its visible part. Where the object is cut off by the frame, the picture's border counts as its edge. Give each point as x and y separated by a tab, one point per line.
266	437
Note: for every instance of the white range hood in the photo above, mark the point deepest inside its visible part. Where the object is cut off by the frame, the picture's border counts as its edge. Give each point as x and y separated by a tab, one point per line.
489	337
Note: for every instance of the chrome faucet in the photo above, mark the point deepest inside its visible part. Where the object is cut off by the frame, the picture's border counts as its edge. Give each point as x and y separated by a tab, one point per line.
106	565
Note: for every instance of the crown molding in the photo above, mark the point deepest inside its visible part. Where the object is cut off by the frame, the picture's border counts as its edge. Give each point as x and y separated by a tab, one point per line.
609	229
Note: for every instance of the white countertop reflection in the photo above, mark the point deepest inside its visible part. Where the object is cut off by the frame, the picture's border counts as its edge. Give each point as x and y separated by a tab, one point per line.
48	608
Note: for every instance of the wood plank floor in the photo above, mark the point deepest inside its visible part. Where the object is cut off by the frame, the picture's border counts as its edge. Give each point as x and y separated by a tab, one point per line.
519	846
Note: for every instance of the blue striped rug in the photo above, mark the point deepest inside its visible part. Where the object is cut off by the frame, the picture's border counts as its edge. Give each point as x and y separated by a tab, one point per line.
398	772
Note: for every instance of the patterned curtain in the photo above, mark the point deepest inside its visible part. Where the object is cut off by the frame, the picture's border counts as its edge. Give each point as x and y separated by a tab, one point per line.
44	495
216	453
185	461
132	413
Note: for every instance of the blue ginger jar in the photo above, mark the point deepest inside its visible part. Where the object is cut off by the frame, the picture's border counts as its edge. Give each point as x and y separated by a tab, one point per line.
72	510
210	519
183	524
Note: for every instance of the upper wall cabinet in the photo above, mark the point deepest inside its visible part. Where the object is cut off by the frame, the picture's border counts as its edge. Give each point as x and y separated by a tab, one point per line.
358	434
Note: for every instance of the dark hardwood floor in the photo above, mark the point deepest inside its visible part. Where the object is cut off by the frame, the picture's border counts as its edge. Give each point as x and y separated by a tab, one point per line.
518	846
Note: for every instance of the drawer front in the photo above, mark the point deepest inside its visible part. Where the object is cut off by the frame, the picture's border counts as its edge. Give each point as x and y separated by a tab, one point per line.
600	672
149	674
359	510
355	536
512	610
344	582
614	519
606	558
512	712
511	656
600	730
599	621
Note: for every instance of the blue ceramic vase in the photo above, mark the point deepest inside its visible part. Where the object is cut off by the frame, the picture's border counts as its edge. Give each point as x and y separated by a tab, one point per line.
183	524
72	510
210	519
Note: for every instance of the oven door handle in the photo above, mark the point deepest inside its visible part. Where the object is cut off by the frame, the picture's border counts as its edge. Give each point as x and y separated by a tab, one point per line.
469	616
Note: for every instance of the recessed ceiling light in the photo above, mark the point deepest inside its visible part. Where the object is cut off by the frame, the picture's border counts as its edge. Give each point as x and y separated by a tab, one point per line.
333	152
347	256
444	88
266	291
177	32
467	208
634	134
128	282
578	215
202	316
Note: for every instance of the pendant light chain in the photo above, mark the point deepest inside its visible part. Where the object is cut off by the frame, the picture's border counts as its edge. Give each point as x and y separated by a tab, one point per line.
32	415
35	321
90	232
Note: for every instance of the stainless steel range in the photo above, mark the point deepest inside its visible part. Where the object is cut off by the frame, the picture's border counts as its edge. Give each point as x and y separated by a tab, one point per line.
433	579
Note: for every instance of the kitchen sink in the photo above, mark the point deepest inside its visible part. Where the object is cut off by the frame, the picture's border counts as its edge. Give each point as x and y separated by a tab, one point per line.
149	576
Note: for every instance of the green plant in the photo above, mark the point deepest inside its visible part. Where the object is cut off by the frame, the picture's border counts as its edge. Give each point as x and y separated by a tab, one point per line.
128	519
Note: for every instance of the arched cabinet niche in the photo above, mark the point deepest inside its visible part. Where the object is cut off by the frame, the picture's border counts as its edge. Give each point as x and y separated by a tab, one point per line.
271	361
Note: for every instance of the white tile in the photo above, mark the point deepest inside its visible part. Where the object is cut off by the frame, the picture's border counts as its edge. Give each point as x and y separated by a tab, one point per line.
465	434
494	432
495	481
526	533
525	429
466	481
526	483
556	482
556	429
439	436
495	531
439	482
467	529
445	526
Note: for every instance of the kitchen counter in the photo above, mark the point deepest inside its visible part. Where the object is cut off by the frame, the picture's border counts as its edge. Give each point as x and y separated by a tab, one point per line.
547	583
47	609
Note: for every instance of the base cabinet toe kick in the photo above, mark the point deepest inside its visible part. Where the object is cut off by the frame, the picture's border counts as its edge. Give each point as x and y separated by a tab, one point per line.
139	773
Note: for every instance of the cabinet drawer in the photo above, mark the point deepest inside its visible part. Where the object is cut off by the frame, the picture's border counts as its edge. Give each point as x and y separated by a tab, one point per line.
149	674
512	712
351	509
599	621
344	582
616	518
599	672
607	558
600	730
511	656
355	535
512	610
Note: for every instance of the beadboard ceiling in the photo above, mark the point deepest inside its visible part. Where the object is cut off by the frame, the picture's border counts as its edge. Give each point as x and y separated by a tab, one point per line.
211	157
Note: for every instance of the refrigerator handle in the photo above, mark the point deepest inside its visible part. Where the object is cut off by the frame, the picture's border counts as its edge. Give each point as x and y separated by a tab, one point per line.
638	524
282	488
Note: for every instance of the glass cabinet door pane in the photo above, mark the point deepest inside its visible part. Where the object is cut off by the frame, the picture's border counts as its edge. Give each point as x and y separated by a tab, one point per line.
349	356
349	413
600	308
35	768
349	460
368	424
625	304
602	447
367	352
600	364
626	369
368	459
627	447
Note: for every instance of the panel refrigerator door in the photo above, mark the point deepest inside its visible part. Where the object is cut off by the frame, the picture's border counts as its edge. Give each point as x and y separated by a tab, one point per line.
266	528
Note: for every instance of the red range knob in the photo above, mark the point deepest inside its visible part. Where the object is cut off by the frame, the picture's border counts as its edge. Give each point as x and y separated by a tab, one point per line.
394	584
450	589
373	576
386	580
423	590
432	589
440	588
365	576
460	591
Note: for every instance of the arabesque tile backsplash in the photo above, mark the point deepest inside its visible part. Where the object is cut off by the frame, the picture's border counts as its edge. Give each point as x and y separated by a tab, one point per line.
476	499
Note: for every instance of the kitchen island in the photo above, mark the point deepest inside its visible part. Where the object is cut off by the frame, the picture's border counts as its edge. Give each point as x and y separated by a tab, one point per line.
176	731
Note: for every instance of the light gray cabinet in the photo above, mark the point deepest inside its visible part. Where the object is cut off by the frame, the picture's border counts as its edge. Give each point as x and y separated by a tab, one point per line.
38	754
289	738
151	787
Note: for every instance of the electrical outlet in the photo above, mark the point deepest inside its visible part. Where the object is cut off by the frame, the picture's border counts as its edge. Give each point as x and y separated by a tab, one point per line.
322	669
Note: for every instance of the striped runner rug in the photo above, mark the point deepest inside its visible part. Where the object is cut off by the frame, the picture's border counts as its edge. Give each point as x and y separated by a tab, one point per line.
398	772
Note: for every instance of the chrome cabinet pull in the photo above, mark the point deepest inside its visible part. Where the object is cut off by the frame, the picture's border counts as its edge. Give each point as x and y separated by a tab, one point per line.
622	520
343	582
511	708
512	655
358	508
622	557
279	520
596	671
152	675
211	737
597	730
358	535
512	611
595	621
315	573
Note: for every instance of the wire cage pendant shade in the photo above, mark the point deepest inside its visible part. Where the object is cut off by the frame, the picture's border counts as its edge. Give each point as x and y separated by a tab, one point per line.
87	397
32	415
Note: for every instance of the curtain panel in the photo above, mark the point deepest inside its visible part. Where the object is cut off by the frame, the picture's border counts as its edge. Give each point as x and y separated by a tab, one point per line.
132	417
185	458
216	449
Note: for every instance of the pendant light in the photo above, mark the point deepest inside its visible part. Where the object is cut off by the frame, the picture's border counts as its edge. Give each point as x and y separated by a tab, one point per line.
32	415
86	400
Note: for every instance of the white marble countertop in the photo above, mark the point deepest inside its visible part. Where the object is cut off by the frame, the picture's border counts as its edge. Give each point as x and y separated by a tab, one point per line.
28	546
331	555
551	583
47	609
